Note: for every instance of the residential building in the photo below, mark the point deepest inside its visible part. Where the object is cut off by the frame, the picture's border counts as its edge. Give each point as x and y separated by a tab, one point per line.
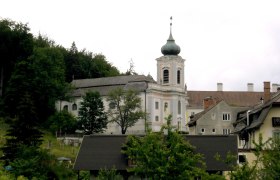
261	120
216	119
249	98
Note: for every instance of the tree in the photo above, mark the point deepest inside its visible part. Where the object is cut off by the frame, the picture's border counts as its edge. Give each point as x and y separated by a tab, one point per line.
83	64
21	112
265	166
127	110
270	160
34	86
159	156
131	70
16	43
39	164
92	118
62	122
49	82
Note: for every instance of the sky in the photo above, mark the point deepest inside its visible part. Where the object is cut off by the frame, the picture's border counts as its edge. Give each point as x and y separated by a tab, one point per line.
223	41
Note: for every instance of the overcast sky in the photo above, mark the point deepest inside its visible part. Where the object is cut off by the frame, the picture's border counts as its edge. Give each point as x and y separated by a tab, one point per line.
233	42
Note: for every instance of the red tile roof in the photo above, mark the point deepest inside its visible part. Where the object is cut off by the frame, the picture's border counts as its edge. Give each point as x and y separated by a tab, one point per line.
233	98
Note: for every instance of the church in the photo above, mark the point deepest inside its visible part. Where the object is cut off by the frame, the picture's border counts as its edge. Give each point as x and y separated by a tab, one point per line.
159	99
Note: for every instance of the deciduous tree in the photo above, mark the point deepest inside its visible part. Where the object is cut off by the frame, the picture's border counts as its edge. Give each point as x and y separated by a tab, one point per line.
159	156
127	108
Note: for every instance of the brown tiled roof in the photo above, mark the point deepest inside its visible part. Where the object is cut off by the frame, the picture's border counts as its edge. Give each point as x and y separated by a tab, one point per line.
234	98
104	151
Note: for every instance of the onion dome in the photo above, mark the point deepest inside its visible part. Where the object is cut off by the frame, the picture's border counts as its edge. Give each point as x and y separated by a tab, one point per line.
170	48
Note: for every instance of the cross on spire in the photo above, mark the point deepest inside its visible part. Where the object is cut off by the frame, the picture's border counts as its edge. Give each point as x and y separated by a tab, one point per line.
170	23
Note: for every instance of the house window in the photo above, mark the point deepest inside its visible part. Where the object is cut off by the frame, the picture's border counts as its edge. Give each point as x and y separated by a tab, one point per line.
226	117
156	118
165	76
65	107
202	130
213	130
178	77
276	134
226	131
179	107
156	105
242	159
165	106
74	107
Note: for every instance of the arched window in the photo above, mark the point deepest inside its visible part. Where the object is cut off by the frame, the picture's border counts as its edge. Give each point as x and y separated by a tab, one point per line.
74	107
179	107
178	77
65	108
165	76
165	106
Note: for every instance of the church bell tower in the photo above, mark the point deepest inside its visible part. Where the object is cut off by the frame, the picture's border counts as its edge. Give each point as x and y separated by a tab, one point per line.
170	66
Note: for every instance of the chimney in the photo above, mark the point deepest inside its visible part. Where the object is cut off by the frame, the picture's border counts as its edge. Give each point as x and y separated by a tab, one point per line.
207	102
266	91
250	87
274	87
219	86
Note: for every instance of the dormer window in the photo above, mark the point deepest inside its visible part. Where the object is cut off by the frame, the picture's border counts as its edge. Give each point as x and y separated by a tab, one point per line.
165	76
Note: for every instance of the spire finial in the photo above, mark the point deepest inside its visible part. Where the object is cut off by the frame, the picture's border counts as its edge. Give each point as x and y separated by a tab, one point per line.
170	48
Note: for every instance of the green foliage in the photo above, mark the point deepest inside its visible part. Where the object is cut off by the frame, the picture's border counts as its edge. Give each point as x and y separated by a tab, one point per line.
43	42
157	156
21	111
108	174
38	164
30	97
62	122
84	175
92	118
57	147
127	110
266	166
82	65
49	70
270	160
16	43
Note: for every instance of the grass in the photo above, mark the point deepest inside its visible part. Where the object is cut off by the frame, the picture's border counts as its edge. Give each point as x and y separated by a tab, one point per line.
56	147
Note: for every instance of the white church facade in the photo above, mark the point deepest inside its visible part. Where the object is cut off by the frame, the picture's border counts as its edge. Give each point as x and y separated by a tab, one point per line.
161	98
